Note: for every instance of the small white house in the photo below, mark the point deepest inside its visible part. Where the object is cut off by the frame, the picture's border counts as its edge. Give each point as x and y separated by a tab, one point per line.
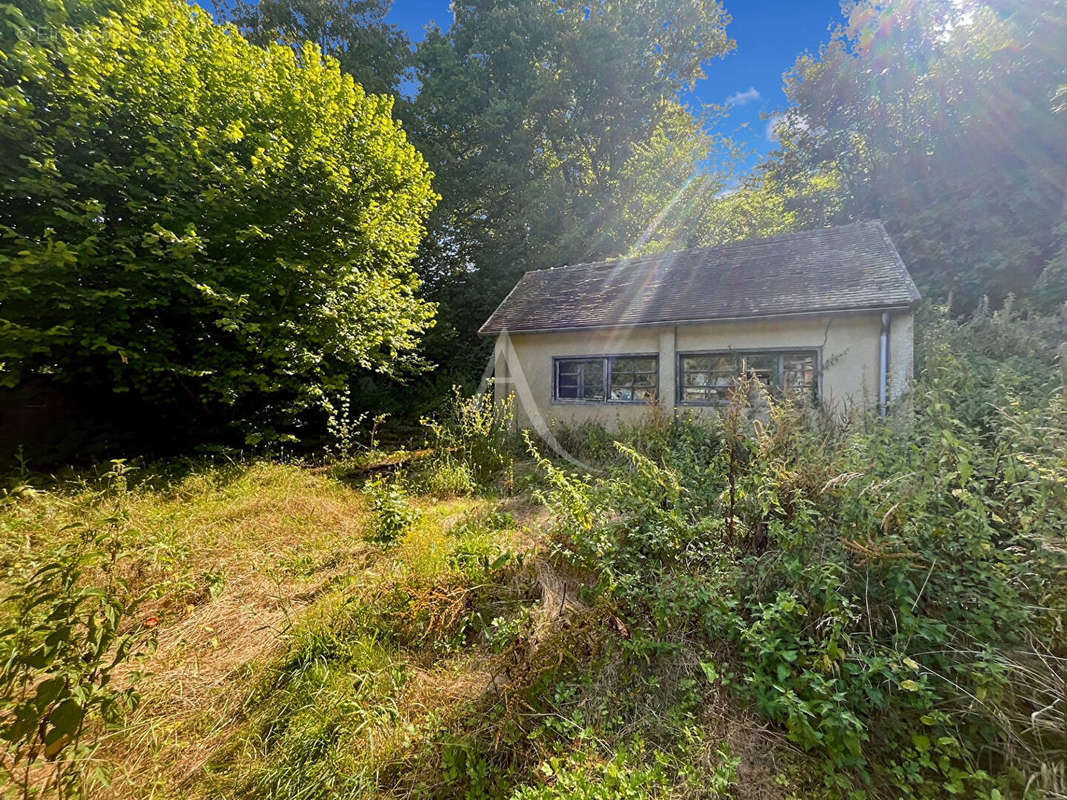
825	312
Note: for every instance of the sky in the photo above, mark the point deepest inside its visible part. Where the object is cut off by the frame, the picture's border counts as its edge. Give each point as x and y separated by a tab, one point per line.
770	34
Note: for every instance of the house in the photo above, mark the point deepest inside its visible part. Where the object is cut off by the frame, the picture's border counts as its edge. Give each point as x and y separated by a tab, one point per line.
827	313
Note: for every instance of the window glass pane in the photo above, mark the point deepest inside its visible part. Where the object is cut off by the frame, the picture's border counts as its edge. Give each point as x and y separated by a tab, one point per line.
567	387
634	379
711	363
798	372
567	379
580	379
763	365
718	392
710	377
694	363
593	380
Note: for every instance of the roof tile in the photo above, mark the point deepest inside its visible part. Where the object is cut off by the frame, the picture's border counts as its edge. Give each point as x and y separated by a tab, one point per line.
851	267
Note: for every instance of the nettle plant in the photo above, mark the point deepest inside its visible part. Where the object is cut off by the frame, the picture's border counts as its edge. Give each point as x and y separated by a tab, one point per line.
62	659
394	514
66	649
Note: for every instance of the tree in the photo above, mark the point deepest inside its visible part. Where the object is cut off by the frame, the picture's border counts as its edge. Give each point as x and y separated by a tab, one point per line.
212	226
937	116
355	32
539	118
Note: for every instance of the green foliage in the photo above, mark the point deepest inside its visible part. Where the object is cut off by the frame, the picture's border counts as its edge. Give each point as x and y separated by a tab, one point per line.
939	118
64	652
393	512
477	544
891	594
213	226
374	52
446	477
628	773
574	777
588	441
473	434
349	432
545	155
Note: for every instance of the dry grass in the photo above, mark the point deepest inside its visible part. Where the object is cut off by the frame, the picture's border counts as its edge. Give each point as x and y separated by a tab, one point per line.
240	558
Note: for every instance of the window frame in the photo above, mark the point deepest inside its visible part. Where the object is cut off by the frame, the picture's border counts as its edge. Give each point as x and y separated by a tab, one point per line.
737	353
606	359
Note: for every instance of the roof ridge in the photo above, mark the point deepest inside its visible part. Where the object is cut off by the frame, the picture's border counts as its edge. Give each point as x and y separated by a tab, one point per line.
758	240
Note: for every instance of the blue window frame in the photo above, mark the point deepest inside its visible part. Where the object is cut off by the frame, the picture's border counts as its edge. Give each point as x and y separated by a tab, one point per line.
606	379
709	378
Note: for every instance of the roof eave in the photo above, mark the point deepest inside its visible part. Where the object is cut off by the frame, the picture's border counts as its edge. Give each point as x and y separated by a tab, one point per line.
485	332
482	330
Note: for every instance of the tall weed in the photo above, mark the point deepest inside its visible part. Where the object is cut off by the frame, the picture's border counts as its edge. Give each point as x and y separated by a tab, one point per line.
66	642
475	432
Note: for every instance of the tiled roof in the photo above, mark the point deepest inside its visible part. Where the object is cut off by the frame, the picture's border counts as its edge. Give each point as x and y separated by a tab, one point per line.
852	267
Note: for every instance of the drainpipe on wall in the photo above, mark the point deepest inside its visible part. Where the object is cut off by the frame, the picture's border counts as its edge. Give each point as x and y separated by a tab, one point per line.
883	366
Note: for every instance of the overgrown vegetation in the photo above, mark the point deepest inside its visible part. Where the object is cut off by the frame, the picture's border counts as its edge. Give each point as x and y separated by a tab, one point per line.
893	595
296	653
775	602
770	603
473	440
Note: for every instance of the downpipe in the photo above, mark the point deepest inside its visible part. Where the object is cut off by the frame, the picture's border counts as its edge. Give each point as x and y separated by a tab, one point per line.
883	366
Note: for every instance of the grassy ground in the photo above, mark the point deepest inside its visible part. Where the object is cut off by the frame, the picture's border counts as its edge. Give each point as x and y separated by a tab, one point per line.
266	591
300	656
776	605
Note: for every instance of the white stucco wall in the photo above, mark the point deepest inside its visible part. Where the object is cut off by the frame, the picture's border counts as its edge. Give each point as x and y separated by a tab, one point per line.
848	345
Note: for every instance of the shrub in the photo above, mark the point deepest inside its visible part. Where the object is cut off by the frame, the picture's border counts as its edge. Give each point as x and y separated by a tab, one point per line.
209	225
393	512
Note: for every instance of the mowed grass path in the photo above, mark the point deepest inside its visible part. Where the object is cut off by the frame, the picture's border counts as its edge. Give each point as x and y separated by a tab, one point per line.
286	665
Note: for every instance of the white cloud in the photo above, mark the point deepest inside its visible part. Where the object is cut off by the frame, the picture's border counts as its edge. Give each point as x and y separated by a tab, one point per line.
750	95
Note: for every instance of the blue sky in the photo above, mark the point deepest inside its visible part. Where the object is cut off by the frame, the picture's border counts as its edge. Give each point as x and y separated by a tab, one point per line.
770	34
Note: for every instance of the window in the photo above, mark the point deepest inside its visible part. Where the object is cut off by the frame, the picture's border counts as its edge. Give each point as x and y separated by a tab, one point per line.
634	379
708	378
621	379
580	379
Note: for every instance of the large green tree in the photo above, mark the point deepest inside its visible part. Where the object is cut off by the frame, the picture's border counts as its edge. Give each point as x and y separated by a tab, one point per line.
555	131
374	52
199	221
939	117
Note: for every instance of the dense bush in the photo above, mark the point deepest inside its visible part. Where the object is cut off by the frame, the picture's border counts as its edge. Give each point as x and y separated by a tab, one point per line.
211	226
892	594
